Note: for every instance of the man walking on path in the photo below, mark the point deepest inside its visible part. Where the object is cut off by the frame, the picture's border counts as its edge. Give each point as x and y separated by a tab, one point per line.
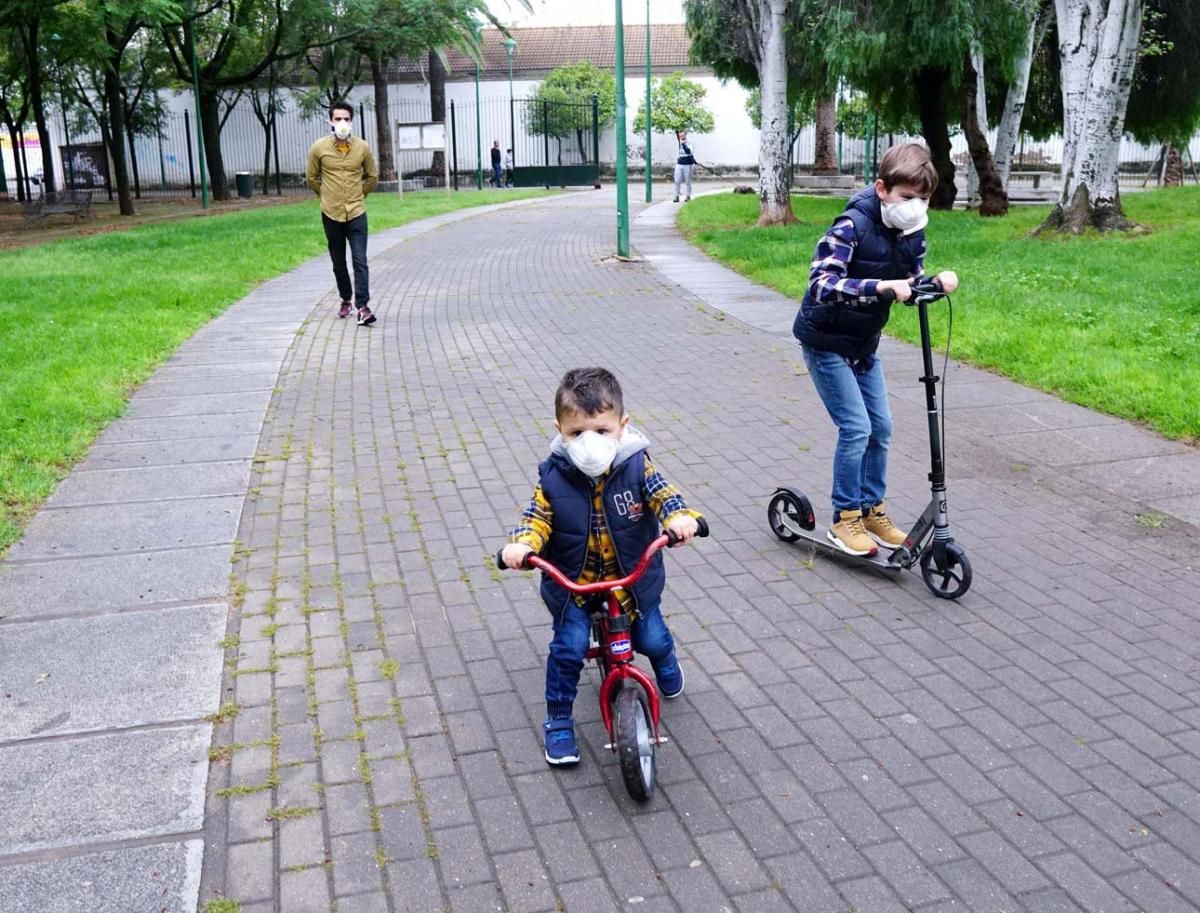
496	179
341	171
683	166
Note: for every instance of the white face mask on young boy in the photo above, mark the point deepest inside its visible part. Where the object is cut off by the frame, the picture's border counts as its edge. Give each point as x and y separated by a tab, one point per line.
907	217
592	453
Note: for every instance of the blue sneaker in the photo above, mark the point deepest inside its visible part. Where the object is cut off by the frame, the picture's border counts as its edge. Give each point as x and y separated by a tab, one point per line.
670	678
561	750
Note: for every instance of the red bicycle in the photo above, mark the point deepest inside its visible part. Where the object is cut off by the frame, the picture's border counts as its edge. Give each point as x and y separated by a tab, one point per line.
629	702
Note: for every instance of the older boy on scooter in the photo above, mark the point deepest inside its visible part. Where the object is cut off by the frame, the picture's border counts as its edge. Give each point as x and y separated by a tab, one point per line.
872	253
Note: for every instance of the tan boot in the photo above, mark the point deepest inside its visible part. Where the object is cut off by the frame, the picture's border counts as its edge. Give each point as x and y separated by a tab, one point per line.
879	526
850	536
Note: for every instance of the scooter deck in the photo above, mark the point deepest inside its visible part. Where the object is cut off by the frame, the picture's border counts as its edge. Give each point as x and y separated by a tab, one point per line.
878	562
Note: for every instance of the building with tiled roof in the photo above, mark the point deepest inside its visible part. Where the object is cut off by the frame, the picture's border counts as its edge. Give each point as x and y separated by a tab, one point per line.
540	50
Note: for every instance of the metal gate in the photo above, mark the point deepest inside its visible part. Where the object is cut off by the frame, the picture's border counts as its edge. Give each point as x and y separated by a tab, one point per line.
554	144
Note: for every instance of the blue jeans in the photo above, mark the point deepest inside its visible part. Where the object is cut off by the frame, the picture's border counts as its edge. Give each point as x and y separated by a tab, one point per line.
858	404
572	633
354	232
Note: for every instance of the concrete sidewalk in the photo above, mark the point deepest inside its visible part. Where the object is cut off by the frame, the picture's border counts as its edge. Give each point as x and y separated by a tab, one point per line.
112	606
845	742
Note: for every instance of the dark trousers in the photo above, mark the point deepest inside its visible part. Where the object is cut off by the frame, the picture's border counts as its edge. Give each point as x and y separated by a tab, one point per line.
337	234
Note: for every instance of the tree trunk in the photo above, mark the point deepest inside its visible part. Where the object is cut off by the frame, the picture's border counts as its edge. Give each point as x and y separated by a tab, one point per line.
825	151
266	125
437	105
1014	105
18	175
1173	172
210	125
931	100
1098	45
979	109
133	161
993	201
116	132
36	101
775	201
383	123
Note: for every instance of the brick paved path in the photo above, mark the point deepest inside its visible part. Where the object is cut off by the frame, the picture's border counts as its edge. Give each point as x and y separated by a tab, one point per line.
845	742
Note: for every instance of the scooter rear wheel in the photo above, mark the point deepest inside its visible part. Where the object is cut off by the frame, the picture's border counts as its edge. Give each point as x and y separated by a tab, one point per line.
788	512
635	743
951	581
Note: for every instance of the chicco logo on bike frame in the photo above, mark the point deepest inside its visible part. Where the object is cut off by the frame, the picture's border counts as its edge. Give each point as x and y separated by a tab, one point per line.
620	647
628	505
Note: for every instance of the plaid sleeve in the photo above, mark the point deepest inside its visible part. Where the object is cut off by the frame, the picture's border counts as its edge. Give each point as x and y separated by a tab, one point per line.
665	499
920	269
827	279
537	520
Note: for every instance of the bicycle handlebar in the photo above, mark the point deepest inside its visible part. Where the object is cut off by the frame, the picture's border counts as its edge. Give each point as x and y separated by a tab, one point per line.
666	539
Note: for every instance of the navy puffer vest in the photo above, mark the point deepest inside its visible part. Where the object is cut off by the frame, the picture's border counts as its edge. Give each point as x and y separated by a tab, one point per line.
627	514
852	329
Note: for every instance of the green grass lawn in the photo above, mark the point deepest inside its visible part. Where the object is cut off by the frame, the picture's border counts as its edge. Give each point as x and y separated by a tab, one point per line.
84	321
1109	322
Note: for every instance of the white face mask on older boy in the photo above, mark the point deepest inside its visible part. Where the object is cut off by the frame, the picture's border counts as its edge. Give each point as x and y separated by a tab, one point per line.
906	217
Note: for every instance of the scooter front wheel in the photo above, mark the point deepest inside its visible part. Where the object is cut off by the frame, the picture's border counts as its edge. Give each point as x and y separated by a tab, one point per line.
950	580
635	743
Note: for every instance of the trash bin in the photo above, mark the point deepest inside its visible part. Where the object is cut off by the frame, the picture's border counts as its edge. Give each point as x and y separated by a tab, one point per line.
245	191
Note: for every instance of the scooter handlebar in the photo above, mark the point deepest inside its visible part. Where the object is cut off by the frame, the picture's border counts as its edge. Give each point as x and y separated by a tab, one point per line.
925	291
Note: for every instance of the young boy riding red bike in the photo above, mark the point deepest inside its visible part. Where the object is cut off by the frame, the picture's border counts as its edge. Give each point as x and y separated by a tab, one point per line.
594	518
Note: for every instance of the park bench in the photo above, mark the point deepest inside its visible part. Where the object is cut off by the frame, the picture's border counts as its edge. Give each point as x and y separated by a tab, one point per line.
1035	176
75	203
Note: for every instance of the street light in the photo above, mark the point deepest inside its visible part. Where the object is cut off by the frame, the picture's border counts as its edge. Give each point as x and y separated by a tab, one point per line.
622	165
478	119
62	102
510	48
649	191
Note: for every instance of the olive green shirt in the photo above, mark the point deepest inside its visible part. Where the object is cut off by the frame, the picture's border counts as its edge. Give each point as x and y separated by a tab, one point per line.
342	178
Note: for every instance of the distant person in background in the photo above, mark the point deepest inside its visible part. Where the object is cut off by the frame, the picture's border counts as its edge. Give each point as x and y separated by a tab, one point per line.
341	171
496	165
508	167
683	165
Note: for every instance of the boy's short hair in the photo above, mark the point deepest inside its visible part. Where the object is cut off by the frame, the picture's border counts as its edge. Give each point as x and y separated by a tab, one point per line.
908	163
588	391
341	106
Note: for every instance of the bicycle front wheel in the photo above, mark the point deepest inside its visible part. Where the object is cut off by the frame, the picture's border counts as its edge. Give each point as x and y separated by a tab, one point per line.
635	743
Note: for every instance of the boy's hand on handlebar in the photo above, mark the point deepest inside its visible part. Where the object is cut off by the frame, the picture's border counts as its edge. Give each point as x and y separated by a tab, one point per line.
898	287
949	280
684	527
514	555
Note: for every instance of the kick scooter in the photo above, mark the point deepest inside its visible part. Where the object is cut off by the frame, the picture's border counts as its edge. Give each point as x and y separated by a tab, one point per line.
944	565
629	702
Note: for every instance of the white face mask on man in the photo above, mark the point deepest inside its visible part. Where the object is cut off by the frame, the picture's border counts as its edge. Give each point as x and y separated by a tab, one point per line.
907	216
341	129
592	453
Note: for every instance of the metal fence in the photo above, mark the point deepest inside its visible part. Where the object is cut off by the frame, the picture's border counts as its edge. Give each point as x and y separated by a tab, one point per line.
552	144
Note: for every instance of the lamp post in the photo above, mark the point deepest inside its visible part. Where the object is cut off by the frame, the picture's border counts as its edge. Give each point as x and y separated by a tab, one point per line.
510	48
190	37
478	119
622	165
69	170
649	190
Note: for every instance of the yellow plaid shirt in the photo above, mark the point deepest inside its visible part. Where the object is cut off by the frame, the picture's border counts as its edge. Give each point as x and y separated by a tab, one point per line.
537	522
